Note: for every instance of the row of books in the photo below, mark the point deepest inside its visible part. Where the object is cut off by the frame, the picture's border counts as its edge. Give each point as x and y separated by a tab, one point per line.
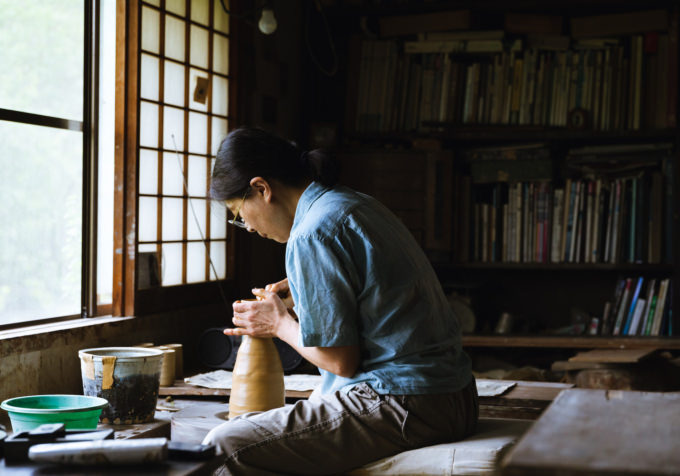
597	220
640	307
603	84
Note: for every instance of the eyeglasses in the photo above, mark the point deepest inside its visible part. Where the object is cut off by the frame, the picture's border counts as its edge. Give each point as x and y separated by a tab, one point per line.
238	221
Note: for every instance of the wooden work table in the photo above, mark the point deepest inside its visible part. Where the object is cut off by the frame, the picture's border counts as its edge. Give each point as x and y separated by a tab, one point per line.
601	432
526	400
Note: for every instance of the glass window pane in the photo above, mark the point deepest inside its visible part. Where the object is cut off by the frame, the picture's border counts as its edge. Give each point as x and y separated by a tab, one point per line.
151	31
174	83
199	94
173	177
220	95
221	17
196	224
221	54
173	128
172	219
198	133
171	264
219	132
176	6
148	213
149	86
195	262
198	181
148	171
148	124
218	256
200	11
174	38
41	213
199	47
41	58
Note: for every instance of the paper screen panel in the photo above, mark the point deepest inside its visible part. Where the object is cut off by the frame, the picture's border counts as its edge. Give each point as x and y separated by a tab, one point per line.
219	132
218	256
173	225
221	18
198	133
148	124
148	172
149	82
200	11
176	6
174	38
220	95
195	262
194	74
148	213
173	125
197	181
173	178
194	231
199	47
221	54
173	83
171	264
150	30
218	223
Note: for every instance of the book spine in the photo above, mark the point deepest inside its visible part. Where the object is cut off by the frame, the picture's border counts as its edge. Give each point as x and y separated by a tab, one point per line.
631	310
660	305
637	315
622	308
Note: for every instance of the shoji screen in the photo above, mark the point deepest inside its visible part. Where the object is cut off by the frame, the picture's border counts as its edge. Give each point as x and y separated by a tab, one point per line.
183	116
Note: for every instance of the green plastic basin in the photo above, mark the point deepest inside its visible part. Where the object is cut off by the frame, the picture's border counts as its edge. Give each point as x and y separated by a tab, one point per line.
77	412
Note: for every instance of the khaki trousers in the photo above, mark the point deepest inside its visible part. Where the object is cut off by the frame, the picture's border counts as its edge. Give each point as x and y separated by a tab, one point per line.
332	434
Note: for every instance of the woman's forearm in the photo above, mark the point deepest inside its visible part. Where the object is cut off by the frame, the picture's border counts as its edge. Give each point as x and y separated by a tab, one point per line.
342	361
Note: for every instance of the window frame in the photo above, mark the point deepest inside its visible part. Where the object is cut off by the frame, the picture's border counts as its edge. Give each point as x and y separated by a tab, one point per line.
127	299
89	129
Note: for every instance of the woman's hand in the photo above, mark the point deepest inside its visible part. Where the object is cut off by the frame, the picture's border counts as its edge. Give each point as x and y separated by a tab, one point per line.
283	290
263	317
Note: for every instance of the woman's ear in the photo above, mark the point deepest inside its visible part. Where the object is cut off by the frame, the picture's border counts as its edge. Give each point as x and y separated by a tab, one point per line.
262	187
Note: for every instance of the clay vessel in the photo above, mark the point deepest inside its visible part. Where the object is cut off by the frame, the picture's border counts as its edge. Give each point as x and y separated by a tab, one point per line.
257	383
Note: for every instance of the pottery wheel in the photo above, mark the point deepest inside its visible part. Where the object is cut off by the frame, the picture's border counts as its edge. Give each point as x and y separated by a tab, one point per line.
192	423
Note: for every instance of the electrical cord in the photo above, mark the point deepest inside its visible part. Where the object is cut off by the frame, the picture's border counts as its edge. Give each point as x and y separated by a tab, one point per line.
198	226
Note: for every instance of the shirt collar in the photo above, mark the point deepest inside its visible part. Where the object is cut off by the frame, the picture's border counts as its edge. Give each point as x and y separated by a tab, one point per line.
308	197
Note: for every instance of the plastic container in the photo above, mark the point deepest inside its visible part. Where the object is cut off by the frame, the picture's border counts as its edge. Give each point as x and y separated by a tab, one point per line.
77	412
128	377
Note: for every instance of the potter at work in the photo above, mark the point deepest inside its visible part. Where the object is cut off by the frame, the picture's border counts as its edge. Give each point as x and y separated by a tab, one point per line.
360	301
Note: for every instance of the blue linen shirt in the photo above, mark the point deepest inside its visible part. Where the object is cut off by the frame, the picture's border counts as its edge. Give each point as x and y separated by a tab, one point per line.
358	277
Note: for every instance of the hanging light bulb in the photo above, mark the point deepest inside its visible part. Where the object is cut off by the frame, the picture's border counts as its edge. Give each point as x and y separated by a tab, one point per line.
267	23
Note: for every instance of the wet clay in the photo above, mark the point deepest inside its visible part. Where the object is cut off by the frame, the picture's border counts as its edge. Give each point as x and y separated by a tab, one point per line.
257	382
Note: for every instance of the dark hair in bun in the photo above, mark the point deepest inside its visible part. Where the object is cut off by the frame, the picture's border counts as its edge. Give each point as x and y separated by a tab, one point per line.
249	152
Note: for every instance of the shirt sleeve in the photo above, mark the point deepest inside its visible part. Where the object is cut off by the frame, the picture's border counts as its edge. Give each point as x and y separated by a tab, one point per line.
324	283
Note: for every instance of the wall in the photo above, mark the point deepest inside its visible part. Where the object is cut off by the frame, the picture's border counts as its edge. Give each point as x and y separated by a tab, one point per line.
34	362
269	96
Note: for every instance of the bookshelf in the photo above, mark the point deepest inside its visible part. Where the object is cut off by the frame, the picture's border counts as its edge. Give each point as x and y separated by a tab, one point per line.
588	93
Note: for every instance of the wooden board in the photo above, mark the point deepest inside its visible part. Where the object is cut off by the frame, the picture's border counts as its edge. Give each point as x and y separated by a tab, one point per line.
601	432
526	400
616	356
181	389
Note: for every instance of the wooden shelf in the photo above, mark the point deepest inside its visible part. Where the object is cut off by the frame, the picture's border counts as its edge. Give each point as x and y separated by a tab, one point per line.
622	267
497	133
580	342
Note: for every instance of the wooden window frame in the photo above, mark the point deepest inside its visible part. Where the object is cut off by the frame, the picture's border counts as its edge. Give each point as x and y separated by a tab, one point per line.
127	299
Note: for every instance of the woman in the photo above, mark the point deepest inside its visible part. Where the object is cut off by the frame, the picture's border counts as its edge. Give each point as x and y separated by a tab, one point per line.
363	304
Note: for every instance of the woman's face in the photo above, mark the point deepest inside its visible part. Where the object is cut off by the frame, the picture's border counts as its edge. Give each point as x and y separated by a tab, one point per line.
260	215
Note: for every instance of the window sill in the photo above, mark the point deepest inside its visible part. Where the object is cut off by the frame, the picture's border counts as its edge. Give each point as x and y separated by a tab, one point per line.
54	328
